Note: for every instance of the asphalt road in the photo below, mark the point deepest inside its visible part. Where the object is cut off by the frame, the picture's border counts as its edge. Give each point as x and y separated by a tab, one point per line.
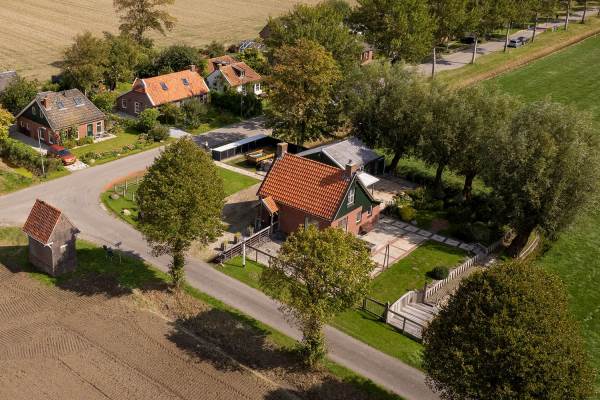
78	196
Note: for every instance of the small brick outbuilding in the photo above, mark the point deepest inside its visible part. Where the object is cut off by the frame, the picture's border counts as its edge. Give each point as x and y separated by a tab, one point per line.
52	239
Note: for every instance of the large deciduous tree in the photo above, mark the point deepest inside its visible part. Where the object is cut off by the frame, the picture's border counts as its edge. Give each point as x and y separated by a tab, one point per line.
546	170
301	90
180	201
317	275
507	334
139	16
389	107
178	58
486	118
83	63
450	19
402	30
122	57
18	94
325	24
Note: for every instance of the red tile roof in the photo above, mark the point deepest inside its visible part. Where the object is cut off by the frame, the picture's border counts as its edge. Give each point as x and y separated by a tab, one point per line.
216	60
41	221
168	88
239	73
310	186
270	204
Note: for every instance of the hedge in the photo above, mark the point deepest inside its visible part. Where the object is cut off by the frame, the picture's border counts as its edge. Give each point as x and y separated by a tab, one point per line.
22	155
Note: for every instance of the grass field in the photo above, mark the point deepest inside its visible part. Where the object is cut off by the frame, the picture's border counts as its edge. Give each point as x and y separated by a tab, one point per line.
571	77
33	34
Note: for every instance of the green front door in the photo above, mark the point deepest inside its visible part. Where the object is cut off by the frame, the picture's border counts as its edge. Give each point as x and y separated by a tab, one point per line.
90	130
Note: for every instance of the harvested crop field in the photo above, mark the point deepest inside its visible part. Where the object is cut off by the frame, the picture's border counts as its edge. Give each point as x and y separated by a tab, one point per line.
34	33
64	344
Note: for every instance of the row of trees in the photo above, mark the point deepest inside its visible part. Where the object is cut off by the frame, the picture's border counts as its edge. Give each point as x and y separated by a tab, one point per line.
542	160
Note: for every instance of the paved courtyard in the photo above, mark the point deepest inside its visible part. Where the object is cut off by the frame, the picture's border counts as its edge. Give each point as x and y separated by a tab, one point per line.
392	240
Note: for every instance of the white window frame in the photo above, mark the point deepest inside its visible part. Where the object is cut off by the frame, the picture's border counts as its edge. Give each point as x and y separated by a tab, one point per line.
22	124
351	195
50	138
359	216
41	133
370	212
124	104
343	224
99	127
137	107
34	110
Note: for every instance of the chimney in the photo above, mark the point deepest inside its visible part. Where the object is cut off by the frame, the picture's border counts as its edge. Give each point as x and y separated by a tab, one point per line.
44	103
351	169
193	68
282	148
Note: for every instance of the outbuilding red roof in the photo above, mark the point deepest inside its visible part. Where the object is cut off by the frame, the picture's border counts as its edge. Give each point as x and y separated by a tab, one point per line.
41	221
310	186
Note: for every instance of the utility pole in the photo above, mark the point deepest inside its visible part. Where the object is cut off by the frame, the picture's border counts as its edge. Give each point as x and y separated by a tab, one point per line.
433	63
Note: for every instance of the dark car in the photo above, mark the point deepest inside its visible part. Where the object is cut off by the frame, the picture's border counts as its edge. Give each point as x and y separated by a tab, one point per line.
65	155
523	39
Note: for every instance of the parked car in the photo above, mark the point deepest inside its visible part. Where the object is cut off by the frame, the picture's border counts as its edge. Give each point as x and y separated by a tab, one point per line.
515	43
63	154
524	39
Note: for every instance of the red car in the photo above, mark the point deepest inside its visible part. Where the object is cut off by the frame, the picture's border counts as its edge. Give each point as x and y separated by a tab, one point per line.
65	155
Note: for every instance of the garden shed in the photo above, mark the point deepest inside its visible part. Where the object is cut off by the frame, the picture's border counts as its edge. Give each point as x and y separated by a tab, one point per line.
52	239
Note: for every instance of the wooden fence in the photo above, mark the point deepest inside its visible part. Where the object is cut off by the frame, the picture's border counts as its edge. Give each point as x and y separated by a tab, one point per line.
252	241
384	313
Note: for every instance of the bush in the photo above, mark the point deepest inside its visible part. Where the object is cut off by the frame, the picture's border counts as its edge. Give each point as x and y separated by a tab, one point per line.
194	113
407	213
147	119
158	133
437	205
105	101
247	106
438	273
24	156
170	114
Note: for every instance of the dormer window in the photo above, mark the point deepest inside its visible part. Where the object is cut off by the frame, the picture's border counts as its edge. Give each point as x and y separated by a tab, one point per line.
60	105
185	82
164	86
78	101
351	194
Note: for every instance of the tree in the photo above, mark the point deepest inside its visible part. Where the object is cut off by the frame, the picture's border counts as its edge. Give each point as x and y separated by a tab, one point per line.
105	101
214	49
546	170
450	18
486	118
6	121
139	16
147	119
568	4
170	114
18	94
440	139
317	275
507	333
402	30
256	60
483	19
180	201
325	24
301	90
389	106
83	64
542	8
178	58
123	56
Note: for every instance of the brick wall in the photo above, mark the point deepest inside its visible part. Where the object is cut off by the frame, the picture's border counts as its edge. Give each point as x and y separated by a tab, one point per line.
23	124
130	99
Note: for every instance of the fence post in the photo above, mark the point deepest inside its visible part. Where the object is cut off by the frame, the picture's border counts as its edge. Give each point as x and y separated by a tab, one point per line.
364	307
386	312
244	253
404	324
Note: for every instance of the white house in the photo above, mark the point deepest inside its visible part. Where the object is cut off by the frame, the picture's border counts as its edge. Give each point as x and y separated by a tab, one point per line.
226	73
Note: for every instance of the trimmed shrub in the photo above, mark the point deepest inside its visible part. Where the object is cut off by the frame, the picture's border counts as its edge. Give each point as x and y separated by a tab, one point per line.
247	106
170	114
407	213
194	113
158	133
22	155
438	273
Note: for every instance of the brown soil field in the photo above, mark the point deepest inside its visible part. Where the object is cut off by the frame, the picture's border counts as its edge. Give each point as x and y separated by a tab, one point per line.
66	344
33	33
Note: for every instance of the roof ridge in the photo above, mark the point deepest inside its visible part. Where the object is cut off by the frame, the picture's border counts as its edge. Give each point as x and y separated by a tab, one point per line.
308	160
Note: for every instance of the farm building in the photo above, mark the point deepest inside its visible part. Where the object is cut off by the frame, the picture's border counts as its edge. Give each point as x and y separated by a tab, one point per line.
52	112
169	88
298	191
226	73
52	239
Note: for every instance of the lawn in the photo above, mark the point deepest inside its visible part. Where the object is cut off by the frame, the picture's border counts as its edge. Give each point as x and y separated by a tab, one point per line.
131	273
233	183
493	64
16	178
571	77
405	275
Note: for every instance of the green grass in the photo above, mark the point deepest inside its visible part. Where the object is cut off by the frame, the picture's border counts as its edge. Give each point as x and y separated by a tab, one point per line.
132	273
571	77
496	62
215	119
233	183
11	181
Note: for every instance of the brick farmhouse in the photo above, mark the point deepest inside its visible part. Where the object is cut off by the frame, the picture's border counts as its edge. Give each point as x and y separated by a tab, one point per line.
298	191
52	112
156	91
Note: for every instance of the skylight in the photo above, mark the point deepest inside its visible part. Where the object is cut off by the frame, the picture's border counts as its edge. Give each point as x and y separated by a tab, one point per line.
78	101
164	86
60	105
185	82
